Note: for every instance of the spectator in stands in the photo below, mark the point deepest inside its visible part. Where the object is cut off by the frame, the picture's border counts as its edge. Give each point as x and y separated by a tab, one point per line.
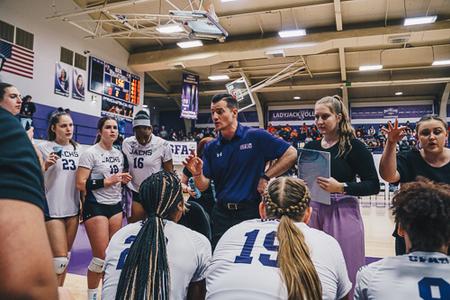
26	112
422	210
271	129
432	161
163	132
371	132
349	158
22	206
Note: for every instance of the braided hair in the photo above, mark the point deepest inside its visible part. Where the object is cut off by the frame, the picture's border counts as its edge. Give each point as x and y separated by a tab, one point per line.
287	199
146	272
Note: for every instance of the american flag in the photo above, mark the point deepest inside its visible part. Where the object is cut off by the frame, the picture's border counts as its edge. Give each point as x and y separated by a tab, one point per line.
19	60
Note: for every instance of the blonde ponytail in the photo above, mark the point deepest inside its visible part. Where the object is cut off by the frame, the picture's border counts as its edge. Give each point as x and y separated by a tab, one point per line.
287	199
301	278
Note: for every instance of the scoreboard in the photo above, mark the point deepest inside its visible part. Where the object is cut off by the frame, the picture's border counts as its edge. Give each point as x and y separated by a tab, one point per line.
108	80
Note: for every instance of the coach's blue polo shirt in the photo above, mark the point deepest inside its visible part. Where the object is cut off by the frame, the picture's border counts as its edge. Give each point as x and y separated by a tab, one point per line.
236	165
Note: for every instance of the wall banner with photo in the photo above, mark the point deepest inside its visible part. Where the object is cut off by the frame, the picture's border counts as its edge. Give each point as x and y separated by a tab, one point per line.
189	96
78	84
62	79
117	108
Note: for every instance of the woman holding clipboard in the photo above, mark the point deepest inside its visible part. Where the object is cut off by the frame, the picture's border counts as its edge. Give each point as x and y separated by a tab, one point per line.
348	158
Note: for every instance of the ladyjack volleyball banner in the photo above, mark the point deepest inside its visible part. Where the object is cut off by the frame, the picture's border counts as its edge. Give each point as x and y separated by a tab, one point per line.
62	79
189	96
291	116
78	84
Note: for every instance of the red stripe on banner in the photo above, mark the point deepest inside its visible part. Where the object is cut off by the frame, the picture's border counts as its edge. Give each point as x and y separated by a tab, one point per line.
22	57
20	64
16	69
17	73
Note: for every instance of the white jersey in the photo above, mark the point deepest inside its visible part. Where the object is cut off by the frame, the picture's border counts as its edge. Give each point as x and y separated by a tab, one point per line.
188	255
244	264
103	163
145	160
63	197
414	276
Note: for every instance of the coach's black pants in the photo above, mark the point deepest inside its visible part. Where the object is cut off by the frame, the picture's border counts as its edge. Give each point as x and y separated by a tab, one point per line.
223	218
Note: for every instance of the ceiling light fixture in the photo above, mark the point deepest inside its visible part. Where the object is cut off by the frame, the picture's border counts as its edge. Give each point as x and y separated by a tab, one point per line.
441	62
190	44
218	77
370	67
398	93
419	20
291	33
170	28
297	98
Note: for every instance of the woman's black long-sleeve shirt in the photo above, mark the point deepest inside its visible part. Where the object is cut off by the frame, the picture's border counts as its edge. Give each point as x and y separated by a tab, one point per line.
359	161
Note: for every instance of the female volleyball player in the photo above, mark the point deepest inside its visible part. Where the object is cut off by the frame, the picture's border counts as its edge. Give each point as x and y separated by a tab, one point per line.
278	256
157	258
61	154
100	178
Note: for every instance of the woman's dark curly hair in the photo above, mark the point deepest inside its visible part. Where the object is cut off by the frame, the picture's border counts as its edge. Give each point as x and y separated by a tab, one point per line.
422	208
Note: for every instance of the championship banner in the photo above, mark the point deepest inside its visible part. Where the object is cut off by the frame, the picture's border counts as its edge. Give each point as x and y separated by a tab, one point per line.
241	92
181	150
381	114
117	108
189	96
78	86
62	79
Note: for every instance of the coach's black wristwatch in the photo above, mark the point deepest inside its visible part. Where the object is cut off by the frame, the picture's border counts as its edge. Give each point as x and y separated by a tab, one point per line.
264	176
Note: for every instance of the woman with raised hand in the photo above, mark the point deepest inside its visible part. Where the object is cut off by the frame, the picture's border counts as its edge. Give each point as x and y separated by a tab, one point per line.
432	161
156	258
278	256
61	154
100	179
349	158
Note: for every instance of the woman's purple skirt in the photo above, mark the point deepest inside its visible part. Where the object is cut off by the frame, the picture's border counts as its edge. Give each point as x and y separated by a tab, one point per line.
342	220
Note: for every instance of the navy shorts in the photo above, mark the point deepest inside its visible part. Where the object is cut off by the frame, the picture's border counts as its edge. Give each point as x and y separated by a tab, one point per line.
93	209
136	197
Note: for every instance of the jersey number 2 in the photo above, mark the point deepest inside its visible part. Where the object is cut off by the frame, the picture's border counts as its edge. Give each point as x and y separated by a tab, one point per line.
269	243
124	253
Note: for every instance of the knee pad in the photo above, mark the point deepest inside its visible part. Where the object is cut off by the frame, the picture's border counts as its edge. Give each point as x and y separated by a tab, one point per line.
96	265
60	264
